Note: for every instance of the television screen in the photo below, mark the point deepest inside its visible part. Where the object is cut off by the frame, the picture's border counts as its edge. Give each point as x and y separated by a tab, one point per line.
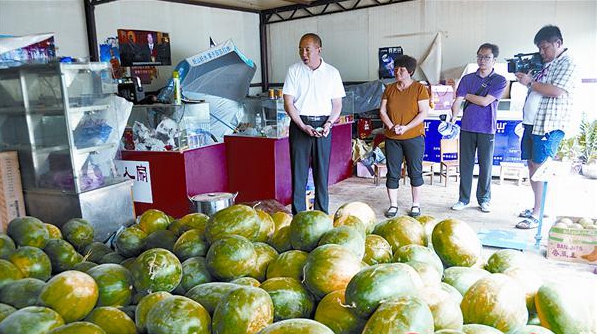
143	47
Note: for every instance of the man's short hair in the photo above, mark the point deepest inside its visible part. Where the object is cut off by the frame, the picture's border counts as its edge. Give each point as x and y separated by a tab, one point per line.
407	62
549	33
494	49
314	37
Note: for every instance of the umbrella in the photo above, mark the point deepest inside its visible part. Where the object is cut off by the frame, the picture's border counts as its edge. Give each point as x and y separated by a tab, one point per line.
222	70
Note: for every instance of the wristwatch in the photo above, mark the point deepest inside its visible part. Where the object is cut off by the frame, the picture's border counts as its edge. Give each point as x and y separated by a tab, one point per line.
328	121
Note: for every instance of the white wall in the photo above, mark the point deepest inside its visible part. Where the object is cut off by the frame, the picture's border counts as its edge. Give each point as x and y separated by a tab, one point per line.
351	40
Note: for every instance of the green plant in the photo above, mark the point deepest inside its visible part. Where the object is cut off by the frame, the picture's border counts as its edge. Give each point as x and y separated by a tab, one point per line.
587	141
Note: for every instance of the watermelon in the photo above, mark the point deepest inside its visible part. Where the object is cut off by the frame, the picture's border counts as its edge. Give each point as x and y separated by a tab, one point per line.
281	219
130	241
160	239
307	228
360	210
288	264
32	262
265	254
210	294
32	319
231	257
7	246
72	294
95	251
377	250
567	308
444	308
347	237
454	294
63	255
236	219
462	278
79	327
427	272
8	273
28	231
495	301
244	310
281	239
532	329
78	232
351	221
156	270
145	304
405	314
503	259
178	314
248	281
21	293
192	221
293	326
332	312
480	329
84	266
114	282
456	243
329	268
153	220
528	281
190	244
112	257
401	231
5	311
112	320
194	272
53	231
290	298
380	282
267	227
419	253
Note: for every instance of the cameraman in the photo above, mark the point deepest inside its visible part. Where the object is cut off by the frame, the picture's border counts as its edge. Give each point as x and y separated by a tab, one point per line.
546	111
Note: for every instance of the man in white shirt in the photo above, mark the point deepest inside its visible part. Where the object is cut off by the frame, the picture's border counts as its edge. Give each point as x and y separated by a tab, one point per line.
313	93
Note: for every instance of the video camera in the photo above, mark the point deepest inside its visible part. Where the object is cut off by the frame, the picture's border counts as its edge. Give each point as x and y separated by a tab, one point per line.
525	63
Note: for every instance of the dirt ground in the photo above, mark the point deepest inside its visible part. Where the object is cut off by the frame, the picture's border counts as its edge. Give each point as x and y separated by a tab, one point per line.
570	195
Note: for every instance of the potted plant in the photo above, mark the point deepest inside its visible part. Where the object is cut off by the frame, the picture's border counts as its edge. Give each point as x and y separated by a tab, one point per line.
587	144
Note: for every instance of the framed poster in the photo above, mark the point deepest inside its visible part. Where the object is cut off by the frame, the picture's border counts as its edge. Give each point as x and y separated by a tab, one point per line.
386	61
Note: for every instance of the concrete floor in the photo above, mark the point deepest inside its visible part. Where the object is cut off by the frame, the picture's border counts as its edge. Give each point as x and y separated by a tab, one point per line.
570	195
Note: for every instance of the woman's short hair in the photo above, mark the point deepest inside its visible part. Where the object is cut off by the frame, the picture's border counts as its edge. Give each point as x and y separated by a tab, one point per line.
407	62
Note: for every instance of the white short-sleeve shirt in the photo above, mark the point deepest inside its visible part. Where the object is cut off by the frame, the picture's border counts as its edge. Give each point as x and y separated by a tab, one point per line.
313	90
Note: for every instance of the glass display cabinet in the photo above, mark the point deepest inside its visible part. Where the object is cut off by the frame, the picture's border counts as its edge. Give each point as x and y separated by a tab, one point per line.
62	121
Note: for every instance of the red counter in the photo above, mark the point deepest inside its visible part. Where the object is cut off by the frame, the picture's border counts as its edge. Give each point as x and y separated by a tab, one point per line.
259	168
174	175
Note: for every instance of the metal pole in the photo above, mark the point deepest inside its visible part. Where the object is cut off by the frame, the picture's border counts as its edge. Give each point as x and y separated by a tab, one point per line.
541	211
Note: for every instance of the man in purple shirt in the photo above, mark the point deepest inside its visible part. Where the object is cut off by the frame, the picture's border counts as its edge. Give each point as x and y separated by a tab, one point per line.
480	92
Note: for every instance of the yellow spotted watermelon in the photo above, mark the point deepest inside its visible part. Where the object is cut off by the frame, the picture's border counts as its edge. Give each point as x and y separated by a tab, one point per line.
28	231
178	314
333	312
307	228
456	243
32	319
156	270
237	219
72	294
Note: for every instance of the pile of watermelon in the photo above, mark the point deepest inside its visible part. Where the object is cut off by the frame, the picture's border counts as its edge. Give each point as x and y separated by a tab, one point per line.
243	270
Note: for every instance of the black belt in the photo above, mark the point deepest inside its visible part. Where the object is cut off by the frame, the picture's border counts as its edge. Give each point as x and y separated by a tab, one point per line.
314	118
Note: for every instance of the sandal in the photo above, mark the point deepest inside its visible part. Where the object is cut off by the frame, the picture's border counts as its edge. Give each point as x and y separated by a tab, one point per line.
415	211
528	223
528	213
391	211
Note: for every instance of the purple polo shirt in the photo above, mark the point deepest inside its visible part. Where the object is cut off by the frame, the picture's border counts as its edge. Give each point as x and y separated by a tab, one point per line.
477	118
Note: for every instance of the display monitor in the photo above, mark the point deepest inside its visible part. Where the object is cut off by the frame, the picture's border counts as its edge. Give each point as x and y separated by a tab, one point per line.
143	47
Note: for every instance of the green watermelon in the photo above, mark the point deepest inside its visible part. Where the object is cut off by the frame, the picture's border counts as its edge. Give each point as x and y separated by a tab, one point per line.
504	259
156	270
130	241
63	255
347	237
190	244
178	314
153	220
419	253
28	231
194	272
496	301
7	246
405	314
72	294
307	228
294	326
288	264
401	231
32	319
444	308
290	298
239	219
265	255
21	293
32	262
79	327
113	257
210	294
244	310
360	210
8	273
329	268
375	284
377	250
145	304
456	243
231	257
160	239
78	232
192	221
333	312
114	282
84	266
112	320
95	251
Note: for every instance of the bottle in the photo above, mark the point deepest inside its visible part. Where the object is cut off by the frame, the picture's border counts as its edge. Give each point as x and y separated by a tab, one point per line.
258	122
176	81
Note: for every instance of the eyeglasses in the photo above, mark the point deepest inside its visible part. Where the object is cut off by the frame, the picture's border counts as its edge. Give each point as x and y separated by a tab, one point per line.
484	57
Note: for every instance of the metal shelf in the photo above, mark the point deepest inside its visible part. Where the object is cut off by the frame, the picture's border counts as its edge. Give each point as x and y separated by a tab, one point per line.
93	148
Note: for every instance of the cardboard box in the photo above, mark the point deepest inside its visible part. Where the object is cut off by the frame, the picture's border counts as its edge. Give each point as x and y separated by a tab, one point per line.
363	171
442	97
12	204
572	245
